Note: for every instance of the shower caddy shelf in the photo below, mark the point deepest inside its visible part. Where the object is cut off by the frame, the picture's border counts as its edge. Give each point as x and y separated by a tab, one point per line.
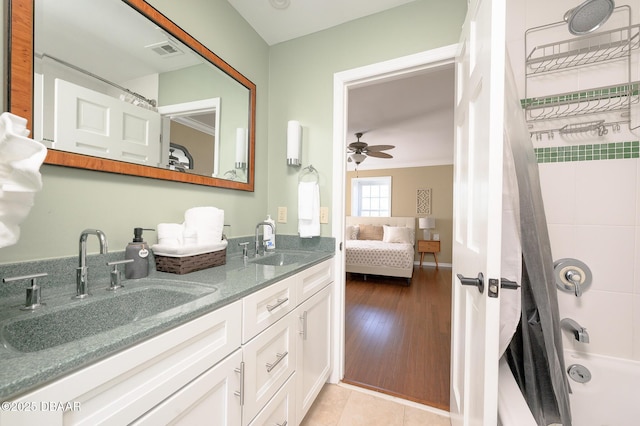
586	50
565	55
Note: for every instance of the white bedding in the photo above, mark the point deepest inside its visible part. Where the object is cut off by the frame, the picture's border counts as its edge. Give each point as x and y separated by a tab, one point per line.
379	254
374	257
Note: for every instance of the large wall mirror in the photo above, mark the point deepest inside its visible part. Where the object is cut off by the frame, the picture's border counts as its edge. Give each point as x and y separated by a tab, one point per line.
115	86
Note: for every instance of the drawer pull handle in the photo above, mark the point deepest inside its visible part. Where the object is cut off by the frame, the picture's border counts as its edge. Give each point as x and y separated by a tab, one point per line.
240	393
303	318
280	358
278	303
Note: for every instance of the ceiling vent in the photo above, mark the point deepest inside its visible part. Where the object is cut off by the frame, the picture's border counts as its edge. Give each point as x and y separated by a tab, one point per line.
165	48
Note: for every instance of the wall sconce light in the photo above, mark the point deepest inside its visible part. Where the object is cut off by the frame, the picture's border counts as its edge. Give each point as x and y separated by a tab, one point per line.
294	142
241	148
426	223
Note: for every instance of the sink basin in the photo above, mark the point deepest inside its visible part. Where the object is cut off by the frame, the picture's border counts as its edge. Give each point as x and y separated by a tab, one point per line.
92	316
280	259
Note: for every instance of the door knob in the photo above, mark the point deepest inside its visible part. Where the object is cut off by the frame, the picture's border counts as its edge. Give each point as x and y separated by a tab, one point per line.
478	282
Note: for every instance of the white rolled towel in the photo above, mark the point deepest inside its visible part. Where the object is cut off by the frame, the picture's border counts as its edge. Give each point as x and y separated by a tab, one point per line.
189	237
170	234
206	222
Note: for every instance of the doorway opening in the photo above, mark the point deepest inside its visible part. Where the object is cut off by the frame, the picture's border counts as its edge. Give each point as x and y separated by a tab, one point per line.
343	82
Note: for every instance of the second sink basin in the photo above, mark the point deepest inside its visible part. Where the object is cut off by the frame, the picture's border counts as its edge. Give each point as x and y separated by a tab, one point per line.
90	317
280	259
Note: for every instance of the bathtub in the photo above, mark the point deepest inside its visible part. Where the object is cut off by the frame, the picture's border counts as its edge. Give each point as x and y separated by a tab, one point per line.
610	398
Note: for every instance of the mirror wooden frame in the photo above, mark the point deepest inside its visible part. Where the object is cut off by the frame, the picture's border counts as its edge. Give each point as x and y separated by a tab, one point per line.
20	96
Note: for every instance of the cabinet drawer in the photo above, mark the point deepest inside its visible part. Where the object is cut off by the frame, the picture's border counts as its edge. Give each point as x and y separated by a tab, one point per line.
269	361
281	410
314	279
429	246
210	399
266	306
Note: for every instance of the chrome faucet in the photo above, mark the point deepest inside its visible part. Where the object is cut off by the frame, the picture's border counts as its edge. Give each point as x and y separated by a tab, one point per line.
273	231
82	273
579	332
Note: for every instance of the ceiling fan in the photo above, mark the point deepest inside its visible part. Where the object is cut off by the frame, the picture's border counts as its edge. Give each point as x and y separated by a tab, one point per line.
360	150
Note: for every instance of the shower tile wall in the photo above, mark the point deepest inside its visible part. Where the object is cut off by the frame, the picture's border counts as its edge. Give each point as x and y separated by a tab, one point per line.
593	215
592	204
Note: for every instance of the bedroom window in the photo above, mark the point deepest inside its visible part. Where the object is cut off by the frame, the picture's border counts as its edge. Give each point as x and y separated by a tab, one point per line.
371	196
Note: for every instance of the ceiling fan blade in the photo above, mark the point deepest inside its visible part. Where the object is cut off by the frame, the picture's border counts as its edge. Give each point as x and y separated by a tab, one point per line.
357	145
376	148
379	154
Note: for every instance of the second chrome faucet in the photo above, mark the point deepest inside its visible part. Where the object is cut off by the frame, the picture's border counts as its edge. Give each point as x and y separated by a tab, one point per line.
257	242
82	272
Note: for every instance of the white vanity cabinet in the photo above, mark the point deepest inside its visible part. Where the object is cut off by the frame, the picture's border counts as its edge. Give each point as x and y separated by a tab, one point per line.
294	349
123	387
259	360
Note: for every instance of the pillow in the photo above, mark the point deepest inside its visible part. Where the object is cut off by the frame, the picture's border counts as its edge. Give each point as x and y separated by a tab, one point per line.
352	232
370	232
397	234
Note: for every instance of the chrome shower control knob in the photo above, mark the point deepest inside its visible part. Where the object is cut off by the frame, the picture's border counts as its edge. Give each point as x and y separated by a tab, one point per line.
572	276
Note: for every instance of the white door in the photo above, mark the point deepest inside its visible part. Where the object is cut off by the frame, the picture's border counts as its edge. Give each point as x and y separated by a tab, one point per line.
92	123
480	71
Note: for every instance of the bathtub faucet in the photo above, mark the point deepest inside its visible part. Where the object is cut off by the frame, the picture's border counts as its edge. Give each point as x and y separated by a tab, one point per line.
579	332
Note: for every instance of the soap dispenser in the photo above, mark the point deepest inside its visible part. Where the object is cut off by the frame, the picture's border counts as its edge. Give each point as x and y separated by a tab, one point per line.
137	250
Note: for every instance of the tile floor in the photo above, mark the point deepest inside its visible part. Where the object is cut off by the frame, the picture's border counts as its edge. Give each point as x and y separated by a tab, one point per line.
344	405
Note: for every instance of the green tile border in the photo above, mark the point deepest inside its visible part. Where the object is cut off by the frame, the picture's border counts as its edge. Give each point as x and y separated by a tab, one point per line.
590	95
590	152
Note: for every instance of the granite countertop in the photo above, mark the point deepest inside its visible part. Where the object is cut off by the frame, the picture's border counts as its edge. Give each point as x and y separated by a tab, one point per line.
209	290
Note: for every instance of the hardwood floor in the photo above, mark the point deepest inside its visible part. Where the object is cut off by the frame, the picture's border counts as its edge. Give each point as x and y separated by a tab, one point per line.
398	338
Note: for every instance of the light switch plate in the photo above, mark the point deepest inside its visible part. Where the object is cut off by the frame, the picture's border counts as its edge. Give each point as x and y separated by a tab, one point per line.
282	215
324	214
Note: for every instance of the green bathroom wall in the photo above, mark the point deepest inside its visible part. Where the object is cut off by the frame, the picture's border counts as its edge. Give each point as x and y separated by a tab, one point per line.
294	80
301	86
73	199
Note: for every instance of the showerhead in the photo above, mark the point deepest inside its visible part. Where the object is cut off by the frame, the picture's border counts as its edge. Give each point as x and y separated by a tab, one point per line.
588	16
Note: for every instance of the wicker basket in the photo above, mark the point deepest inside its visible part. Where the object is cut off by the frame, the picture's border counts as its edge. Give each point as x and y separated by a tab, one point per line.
186	264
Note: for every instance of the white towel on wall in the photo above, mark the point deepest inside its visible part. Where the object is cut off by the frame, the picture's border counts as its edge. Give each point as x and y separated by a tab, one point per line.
20	161
308	209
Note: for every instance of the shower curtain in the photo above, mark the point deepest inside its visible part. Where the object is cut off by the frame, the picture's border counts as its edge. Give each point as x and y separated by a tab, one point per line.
535	353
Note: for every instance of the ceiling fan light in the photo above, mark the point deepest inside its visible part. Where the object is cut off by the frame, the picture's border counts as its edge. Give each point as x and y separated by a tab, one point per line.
358	158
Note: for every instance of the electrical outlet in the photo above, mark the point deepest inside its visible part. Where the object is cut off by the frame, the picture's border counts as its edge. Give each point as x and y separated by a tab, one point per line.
282	215
324	214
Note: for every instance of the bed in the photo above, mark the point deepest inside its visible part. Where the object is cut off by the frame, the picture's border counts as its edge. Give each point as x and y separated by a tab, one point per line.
380	246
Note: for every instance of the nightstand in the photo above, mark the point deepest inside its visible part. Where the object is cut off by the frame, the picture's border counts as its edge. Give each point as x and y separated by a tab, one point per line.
428	246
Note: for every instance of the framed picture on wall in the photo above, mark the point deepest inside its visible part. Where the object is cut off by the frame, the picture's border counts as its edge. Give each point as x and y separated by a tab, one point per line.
423	201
